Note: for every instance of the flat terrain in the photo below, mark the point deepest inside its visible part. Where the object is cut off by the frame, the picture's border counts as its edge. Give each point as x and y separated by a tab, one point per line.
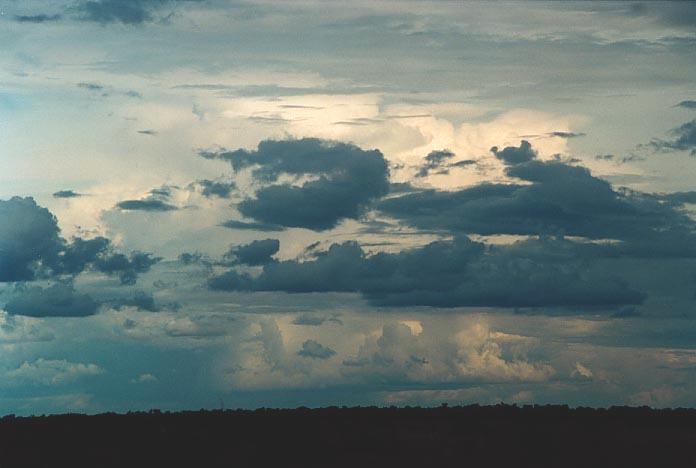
475	436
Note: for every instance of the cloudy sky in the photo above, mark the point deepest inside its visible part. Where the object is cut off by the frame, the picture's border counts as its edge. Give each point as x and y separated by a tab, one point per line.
245	204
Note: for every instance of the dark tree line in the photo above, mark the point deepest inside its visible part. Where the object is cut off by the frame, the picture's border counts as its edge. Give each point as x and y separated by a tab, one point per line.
471	436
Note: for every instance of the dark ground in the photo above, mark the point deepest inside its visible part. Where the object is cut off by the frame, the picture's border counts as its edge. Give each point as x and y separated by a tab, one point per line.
472	436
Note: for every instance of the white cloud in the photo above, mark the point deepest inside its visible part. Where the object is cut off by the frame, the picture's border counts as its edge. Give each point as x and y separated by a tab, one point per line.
52	372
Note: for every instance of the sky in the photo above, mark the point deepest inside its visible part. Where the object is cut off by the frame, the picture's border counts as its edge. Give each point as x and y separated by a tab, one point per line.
221	203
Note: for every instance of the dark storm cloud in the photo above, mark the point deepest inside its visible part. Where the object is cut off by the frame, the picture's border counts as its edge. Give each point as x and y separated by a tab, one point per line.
684	139
314	349
147	204
66	194
58	300
559	199
41	18
211	188
345	180
511	155
687	104
258	252
461	272
31	247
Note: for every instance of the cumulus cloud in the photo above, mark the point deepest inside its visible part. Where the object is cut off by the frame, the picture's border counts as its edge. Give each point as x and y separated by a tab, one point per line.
140	300
126	267
31	247
28	237
52	371
211	188
58	300
258	252
343	180
557	199
433	161
472	354
453	273
144	379
315	350
512	155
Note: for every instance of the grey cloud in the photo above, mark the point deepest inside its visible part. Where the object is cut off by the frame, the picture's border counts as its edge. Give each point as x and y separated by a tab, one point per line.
140	300
31	247
126	267
314	320
190	258
59	300
90	86
434	160
40	18
676	14
604	157
211	188
130	12
77	255
448	274
252	226
680	198
66	194
347	179
566	134
28	238
561	200
145	205
684	139
512	155
314	349
148	132
258	252
687	104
